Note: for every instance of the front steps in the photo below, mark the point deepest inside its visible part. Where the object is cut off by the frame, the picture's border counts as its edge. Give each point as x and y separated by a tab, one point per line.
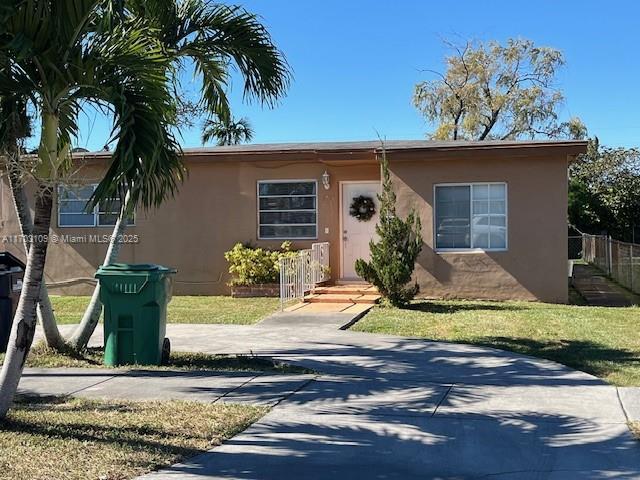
345	298
353	293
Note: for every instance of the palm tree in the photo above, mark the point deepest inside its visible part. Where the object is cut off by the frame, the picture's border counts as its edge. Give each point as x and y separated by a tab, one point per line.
82	65
15	127
213	38
227	131
59	56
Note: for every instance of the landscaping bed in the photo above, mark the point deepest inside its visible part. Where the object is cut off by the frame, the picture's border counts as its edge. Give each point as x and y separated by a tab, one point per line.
184	309
76	439
603	341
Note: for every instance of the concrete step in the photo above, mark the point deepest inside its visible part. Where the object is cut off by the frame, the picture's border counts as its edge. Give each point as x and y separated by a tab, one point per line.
364	289
351	282
341	298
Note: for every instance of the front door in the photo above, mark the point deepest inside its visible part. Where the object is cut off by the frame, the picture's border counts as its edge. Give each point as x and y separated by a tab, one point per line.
357	233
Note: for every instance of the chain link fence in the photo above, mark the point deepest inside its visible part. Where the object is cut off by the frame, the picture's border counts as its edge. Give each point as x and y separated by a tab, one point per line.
620	260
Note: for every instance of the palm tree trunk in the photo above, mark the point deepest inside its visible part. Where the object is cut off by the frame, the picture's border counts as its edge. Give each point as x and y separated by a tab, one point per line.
87	326
24	322
45	313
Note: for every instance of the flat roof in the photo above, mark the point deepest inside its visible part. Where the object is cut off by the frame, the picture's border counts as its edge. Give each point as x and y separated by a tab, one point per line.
368	145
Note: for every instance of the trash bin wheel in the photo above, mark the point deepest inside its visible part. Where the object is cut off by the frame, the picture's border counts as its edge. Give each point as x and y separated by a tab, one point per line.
166	351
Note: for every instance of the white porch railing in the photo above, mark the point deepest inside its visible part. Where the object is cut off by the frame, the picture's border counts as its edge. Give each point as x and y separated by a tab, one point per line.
301	272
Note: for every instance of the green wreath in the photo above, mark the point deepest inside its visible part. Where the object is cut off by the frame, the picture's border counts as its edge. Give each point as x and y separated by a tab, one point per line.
362	208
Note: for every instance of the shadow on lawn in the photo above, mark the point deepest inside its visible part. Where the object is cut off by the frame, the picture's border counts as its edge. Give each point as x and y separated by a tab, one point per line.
43	357
58	419
428	306
587	356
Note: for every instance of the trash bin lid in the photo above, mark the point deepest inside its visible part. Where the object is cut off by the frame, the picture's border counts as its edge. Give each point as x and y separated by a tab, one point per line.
120	268
136	267
10	260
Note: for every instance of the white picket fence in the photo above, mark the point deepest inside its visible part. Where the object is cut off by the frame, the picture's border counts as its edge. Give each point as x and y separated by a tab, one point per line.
301	272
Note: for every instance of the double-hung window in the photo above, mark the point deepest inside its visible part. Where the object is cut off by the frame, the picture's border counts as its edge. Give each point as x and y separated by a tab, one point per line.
471	216
72	208
287	209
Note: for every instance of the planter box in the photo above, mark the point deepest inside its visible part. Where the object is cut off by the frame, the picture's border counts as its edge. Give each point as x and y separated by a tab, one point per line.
259	290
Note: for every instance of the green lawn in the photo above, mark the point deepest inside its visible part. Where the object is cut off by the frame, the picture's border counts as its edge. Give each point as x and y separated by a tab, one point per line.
603	341
74	439
41	356
184	309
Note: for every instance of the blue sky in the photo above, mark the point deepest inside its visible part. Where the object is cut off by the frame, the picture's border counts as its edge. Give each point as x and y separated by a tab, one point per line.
355	64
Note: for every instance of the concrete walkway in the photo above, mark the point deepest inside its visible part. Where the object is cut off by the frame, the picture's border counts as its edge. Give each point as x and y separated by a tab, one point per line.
236	387
600	291
398	408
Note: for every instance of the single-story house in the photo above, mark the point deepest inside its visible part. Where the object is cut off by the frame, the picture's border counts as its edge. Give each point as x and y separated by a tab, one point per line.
494	214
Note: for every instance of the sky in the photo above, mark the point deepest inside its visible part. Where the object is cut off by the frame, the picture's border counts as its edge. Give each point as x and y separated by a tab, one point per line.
355	64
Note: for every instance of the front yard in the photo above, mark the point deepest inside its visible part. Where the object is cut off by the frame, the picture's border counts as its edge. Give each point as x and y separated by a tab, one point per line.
75	439
603	341
42	357
184	309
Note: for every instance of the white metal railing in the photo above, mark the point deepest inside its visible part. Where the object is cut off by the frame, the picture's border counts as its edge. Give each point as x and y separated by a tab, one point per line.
300	272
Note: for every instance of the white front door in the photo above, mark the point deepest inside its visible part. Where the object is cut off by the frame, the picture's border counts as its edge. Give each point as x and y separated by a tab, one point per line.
356	234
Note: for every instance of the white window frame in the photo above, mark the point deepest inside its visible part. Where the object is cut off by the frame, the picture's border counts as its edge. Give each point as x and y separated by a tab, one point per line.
471	249
292	180
95	212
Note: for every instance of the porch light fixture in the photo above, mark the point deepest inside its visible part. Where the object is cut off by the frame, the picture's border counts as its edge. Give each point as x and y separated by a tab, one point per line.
325	180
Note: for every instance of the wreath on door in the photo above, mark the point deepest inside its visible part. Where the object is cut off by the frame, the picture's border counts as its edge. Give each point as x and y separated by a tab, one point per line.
362	208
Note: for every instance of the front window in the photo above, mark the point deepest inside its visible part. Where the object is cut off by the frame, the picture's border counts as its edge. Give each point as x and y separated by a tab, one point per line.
287	209
471	216
72	208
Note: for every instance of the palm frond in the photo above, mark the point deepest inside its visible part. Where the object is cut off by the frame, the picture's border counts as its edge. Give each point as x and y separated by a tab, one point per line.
218	38
236	35
130	66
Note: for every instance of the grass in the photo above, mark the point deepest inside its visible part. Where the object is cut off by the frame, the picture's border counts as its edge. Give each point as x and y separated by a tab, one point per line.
42	357
184	309
603	341
74	439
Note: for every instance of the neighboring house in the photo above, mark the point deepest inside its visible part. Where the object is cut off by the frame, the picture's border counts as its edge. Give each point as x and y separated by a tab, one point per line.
494	214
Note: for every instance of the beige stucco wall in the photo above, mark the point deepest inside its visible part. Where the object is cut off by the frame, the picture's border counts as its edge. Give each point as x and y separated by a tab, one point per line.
216	207
535	265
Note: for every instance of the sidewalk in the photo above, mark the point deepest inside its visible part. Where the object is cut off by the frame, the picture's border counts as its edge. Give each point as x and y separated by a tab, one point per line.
385	407
256	388
600	291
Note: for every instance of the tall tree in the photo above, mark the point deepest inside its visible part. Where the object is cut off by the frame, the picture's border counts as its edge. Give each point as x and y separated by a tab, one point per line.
227	131
60	56
494	91
15	128
604	191
209	39
394	253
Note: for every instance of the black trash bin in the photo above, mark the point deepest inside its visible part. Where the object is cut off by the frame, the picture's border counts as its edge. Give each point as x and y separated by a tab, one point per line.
11	275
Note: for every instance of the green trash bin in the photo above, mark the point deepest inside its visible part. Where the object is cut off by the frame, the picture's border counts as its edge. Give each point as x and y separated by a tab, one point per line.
135	299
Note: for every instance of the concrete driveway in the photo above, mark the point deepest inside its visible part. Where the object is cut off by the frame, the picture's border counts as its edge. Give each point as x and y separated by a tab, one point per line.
397	408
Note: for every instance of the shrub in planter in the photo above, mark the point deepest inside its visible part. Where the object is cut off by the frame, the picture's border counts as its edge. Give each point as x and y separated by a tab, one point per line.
250	265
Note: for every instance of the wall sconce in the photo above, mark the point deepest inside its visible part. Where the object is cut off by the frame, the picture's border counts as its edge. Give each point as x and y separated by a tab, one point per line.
326	180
